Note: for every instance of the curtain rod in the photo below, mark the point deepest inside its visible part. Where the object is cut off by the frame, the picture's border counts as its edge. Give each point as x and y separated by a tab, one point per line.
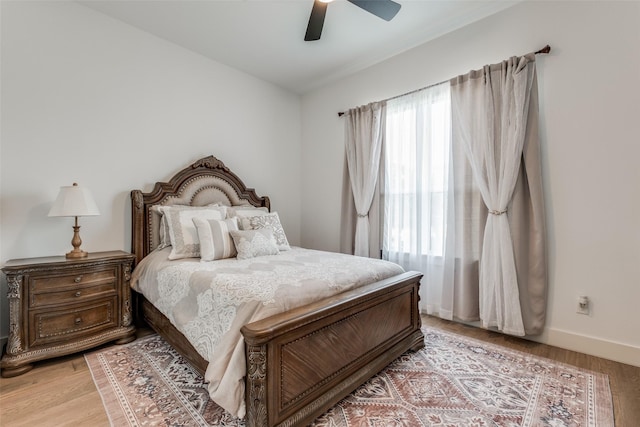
544	50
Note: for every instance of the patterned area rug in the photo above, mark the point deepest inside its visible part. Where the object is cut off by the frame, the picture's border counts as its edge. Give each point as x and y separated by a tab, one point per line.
453	381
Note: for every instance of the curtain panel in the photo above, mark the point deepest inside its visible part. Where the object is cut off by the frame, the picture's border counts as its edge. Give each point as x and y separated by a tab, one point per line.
495	120
364	136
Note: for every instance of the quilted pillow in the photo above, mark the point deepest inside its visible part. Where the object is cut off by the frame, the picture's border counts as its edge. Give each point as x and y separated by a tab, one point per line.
182	231
214	237
253	243
267	221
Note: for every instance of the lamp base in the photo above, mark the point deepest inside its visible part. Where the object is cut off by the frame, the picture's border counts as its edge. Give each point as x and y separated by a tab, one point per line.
76	242
77	254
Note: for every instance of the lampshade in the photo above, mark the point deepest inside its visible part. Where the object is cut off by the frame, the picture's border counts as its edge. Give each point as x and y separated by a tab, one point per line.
74	200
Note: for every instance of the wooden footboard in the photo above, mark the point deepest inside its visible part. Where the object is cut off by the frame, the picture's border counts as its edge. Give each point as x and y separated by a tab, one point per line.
301	363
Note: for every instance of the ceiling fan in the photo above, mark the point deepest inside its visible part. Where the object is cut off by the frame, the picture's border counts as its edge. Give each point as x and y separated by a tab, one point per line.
385	9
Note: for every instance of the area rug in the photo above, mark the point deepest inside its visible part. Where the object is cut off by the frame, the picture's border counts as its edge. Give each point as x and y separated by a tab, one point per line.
453	381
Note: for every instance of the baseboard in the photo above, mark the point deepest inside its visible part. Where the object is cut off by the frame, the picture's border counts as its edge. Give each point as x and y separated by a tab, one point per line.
593	346
586	344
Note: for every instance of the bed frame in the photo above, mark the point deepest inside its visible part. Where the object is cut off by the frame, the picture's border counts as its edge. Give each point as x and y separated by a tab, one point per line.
301	362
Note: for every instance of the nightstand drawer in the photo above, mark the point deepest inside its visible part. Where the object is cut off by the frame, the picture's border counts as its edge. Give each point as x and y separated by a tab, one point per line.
67	288
51	326
71	295
80	277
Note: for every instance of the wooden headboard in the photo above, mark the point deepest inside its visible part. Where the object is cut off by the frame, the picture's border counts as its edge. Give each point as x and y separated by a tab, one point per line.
204	182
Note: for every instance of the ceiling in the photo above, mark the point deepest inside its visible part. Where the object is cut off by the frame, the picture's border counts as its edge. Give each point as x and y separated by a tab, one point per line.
264	38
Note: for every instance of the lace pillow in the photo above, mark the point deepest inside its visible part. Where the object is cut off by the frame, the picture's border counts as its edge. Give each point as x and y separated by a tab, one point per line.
253	243
182	231
267	221
214	237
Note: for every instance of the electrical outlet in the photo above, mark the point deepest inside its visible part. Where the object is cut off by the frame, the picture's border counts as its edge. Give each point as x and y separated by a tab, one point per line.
583	305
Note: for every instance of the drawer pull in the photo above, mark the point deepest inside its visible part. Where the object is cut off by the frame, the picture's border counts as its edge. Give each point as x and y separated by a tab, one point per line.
78	320
78	293
77	279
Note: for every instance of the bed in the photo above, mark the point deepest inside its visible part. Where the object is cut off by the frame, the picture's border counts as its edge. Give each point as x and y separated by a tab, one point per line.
297	363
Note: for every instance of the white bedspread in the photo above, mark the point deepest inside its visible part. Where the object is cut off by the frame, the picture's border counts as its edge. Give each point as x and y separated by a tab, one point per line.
209	302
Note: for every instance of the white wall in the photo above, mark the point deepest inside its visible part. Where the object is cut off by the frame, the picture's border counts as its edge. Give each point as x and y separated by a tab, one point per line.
589	88
88	99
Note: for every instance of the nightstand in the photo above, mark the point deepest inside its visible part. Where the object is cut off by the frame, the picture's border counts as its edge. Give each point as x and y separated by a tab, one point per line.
59	306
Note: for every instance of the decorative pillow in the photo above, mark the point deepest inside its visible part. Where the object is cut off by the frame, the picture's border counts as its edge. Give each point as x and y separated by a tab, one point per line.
164	227
253	243
271	220
214	237
182	231
245	211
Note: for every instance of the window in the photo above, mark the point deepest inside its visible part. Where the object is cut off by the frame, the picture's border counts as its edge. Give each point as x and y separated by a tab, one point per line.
417	159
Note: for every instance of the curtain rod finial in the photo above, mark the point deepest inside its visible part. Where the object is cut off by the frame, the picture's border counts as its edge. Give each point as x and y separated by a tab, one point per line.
545	49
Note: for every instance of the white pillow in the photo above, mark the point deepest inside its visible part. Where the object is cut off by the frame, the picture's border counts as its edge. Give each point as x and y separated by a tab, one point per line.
164	227
215	240
270	220
253	243
182	231
245	211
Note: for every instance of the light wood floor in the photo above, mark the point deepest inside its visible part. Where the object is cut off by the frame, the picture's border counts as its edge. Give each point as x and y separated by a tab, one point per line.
61	392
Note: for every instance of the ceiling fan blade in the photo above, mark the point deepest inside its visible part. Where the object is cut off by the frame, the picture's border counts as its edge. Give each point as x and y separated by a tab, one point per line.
316	21
385	9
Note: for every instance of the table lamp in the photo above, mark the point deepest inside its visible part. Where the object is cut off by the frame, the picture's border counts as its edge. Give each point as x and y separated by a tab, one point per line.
74	201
